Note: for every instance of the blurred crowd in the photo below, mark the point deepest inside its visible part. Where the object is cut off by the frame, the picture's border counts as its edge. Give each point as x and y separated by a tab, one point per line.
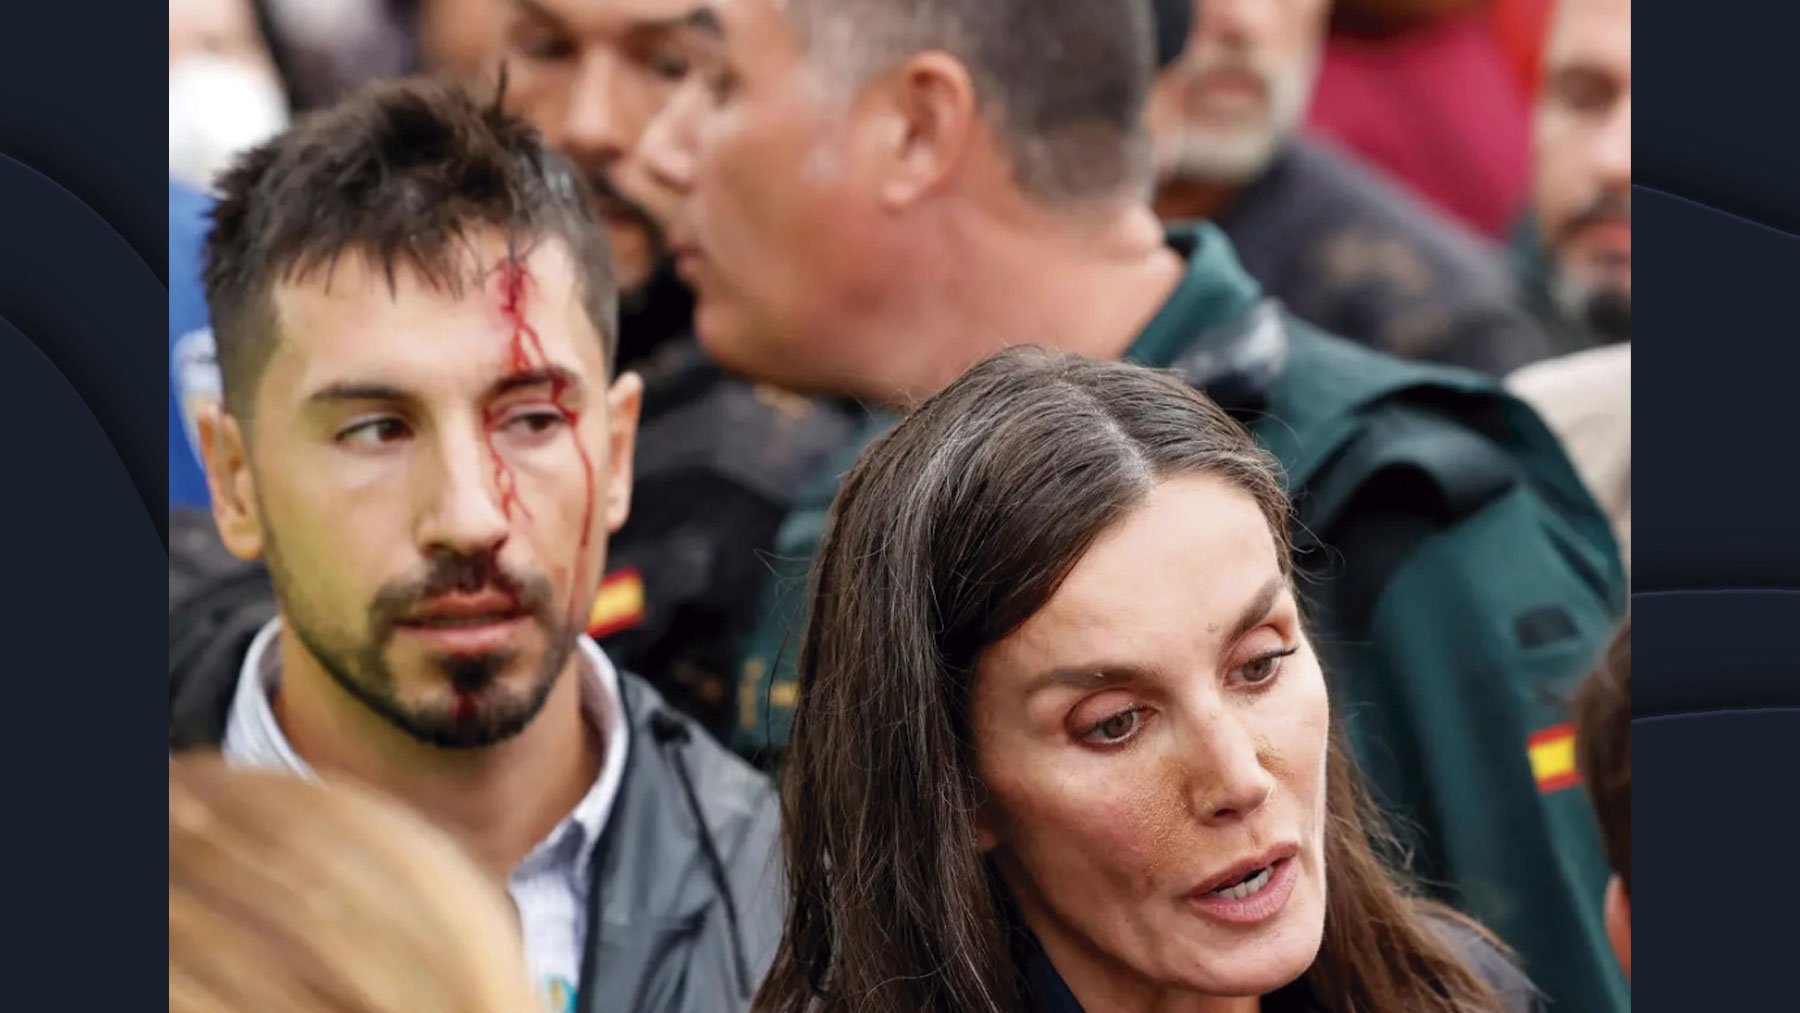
625	560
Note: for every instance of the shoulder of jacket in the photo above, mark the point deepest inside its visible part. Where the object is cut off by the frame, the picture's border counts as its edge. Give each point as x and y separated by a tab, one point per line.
1490	962
734	795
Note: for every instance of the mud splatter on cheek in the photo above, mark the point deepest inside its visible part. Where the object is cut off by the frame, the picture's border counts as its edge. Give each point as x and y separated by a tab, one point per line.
1162	818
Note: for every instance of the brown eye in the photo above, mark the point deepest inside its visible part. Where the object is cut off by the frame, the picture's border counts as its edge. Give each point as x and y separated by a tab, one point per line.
373	433
1261	670
1116	728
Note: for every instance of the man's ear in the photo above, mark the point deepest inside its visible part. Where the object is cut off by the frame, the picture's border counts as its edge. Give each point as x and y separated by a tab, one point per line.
233	487
1618	922
623	402
923	122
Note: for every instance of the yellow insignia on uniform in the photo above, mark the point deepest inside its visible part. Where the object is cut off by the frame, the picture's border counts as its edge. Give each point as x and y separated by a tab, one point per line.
619	605
1552	753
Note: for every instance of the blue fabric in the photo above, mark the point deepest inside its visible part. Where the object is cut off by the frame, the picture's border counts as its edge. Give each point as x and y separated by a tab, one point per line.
191	372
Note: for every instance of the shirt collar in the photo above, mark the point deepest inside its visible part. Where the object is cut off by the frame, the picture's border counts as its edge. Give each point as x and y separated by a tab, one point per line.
1215	289
253	738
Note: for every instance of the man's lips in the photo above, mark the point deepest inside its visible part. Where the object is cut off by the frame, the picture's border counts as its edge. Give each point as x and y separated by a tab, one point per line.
467	624
1611	235
470	612
1228	84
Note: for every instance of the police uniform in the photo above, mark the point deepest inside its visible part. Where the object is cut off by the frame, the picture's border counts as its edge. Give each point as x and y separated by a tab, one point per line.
1454	707
718	462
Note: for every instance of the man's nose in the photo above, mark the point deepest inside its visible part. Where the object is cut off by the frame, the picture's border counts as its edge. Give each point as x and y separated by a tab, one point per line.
468	500
1612	148
668	151
592	129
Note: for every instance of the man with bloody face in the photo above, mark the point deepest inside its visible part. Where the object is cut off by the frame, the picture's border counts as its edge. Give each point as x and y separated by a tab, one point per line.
422	438
721	455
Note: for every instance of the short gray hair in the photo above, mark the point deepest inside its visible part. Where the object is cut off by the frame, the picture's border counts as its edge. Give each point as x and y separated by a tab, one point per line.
1062	83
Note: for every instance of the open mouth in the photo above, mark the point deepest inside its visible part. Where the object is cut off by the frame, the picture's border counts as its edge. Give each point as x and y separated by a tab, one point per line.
1250	885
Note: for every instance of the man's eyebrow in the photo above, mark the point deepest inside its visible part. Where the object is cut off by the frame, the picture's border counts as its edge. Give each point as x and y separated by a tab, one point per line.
536	10
545	376
351	391
702	19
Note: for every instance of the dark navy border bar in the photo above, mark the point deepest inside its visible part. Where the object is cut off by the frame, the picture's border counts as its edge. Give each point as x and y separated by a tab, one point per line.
83	503
83	280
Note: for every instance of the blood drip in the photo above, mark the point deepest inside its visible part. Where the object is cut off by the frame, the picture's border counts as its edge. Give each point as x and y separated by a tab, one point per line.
513	279
465	708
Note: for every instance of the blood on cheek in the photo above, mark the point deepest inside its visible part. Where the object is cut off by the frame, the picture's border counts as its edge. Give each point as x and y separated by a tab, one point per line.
524	352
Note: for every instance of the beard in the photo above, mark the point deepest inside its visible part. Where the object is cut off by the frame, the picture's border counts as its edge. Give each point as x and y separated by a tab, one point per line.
1602	308
1234	153
1599	304
488	711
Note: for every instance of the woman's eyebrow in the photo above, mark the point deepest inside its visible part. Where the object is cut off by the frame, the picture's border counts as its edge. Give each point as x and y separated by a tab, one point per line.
1259	608
1095	675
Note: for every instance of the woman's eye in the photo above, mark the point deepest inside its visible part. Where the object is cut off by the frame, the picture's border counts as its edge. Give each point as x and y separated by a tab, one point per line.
1263	669
1115	729
374	432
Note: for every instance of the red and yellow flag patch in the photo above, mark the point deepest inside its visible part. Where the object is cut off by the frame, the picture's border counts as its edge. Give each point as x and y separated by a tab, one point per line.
1552	753
619	605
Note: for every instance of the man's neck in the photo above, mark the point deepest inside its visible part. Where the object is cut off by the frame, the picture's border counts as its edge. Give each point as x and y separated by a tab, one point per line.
499	800
1087	287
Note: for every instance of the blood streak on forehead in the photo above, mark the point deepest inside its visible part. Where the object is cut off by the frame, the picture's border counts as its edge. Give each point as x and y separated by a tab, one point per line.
525	353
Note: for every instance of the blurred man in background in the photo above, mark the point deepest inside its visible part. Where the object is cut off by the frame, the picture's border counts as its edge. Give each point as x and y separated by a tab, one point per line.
225	93
1340	246
879	193
1575	253
1581	203
720	458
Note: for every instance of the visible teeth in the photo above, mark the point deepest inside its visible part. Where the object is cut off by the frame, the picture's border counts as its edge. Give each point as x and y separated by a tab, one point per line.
1248	886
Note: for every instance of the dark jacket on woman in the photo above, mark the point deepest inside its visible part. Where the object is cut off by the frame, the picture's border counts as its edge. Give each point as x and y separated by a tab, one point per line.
1048	993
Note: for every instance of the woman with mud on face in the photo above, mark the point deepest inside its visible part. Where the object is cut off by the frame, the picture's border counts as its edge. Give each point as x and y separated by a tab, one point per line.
1062	742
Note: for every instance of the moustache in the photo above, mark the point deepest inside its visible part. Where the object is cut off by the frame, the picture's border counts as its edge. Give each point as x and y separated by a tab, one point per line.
460	574
1607	207
615	203
1198	64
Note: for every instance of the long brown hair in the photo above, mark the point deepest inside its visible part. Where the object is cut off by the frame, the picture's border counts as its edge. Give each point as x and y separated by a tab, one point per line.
291	895
948	534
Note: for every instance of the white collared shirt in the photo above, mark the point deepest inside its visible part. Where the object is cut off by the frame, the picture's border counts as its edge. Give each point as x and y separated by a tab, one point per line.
550	887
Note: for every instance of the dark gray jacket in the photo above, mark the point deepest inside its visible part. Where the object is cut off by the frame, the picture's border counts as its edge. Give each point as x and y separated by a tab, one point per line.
688	896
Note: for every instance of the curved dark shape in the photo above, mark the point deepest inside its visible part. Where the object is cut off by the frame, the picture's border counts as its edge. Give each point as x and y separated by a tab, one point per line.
1714	822
1715	650
1717	120
73	287
1714	504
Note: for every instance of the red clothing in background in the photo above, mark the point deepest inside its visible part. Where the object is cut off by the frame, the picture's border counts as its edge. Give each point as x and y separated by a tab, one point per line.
1440	108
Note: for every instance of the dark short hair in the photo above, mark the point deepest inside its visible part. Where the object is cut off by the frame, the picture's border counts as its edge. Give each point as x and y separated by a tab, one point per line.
402	173
1603	747
1062	83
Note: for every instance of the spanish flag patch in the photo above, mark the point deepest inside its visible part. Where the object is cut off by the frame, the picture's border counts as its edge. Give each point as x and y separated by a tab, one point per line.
619	605
1552	754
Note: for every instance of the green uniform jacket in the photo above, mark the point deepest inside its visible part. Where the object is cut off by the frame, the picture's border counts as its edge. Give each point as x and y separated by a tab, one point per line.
1457	714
